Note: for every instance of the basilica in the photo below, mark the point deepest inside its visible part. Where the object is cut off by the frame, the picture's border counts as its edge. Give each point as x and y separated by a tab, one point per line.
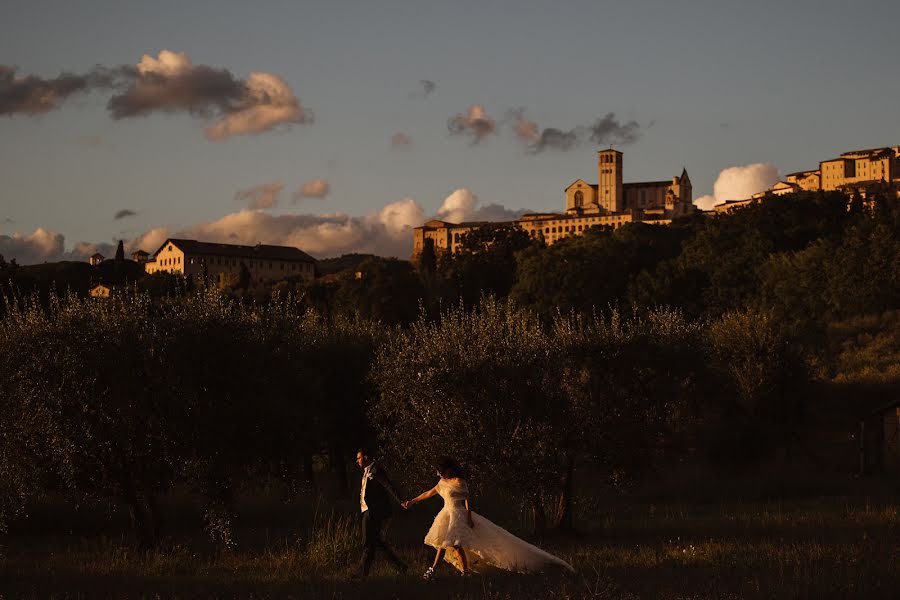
610	202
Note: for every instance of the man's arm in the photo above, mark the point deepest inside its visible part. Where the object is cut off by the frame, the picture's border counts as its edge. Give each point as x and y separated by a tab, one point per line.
382	478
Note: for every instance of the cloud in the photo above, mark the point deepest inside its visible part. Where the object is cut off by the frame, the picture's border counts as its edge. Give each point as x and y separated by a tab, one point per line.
172	83
739	183
8	221
474	123
42	245
168	83
33	95
609	130
314	188
606	130
89	140
261	197
125	212
428	86
150	241
269	102
387	232
400	140
462	205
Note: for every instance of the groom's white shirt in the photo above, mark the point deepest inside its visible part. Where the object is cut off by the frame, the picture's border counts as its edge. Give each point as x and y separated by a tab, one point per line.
366	476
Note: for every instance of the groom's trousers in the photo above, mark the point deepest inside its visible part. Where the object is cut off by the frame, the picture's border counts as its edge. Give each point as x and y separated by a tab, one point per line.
372	540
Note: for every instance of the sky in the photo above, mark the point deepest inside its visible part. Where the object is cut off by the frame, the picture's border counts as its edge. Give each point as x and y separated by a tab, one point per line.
337	126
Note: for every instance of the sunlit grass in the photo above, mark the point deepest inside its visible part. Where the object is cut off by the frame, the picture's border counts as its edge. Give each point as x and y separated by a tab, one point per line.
830	548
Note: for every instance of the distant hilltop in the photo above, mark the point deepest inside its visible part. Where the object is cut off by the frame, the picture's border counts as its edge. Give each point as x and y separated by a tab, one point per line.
855	172
610	202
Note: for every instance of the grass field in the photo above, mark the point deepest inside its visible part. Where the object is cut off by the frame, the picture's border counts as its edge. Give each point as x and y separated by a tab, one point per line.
832	546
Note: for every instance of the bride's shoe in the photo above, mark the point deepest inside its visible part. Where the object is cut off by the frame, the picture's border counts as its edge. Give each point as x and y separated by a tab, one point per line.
428	575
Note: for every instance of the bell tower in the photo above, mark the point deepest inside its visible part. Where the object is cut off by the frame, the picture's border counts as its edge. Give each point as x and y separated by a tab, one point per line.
609	181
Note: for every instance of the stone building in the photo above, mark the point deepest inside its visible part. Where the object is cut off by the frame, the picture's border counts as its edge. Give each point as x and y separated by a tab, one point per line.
852	172
223	261
610	202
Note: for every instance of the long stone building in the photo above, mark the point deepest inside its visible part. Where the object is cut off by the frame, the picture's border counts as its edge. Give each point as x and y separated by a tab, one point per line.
222	261
855	172
610	202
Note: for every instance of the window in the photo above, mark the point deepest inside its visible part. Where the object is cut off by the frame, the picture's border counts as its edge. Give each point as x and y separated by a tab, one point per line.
579	199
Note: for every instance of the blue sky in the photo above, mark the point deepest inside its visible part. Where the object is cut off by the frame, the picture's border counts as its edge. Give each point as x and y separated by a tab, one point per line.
711	85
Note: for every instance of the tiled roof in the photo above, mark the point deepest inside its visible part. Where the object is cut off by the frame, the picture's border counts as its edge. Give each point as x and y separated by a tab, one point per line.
259	251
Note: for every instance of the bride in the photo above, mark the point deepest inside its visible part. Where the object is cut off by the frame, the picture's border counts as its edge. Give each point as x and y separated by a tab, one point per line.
479	544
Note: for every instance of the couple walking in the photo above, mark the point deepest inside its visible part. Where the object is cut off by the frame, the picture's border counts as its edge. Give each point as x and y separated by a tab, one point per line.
478	545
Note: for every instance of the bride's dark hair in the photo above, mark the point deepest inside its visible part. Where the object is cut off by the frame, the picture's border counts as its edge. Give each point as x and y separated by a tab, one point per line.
449	468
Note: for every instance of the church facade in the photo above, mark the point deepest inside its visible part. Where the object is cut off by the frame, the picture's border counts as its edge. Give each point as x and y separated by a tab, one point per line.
609	202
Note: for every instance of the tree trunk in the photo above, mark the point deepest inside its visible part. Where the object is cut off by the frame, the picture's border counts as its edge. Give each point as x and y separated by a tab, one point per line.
336	461
566	520
143	513
538	516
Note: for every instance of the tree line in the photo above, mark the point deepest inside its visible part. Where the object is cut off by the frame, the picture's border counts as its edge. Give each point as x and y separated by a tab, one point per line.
121	400
616	349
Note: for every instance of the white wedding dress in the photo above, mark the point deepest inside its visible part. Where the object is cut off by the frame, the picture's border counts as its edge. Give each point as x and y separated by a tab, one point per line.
487	546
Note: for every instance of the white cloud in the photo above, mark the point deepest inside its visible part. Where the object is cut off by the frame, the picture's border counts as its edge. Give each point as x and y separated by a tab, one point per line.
462	205
268	102
739	183
40	246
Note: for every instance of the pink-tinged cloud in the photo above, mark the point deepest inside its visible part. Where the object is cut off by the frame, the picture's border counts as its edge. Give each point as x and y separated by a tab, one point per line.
400	140
739	183
474	124
261	197
605	130
387	232
172	83
314	188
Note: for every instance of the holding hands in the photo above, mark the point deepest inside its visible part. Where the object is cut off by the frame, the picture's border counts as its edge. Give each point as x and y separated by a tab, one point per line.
406	504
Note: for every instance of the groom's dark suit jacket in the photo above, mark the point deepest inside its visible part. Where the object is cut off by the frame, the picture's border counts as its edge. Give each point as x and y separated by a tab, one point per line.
379	492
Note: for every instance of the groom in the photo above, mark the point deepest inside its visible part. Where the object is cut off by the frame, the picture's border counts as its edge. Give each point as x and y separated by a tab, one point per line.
375	494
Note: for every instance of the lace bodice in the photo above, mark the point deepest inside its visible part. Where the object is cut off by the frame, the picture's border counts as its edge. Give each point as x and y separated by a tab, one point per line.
454	492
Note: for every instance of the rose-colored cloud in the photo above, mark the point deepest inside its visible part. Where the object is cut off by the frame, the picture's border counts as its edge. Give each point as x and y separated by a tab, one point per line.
172	83
386	231
474	123
400	140
261	197
314	188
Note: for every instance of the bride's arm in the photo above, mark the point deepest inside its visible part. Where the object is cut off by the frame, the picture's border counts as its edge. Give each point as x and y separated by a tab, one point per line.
469	512
423	496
